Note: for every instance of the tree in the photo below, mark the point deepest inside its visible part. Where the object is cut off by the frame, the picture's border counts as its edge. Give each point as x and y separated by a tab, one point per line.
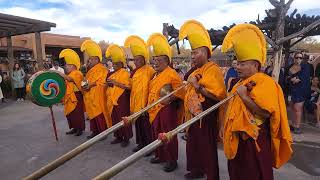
309	44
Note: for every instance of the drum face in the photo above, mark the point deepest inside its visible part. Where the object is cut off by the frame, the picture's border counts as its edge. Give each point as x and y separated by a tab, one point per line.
46	88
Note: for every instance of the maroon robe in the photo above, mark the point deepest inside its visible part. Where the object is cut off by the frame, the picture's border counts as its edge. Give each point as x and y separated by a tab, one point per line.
76	117
249	164
143	130
166	120
98	124
201	148
119	111
142	127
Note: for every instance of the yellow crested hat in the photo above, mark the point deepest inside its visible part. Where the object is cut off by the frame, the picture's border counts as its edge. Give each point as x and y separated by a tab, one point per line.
137	46
197	35
91	48
71	57
159	45
247	41
116	53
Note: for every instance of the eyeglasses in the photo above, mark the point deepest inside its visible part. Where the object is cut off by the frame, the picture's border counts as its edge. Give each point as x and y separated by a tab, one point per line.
298	57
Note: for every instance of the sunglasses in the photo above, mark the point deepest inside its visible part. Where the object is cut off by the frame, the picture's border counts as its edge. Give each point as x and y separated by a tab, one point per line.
298	57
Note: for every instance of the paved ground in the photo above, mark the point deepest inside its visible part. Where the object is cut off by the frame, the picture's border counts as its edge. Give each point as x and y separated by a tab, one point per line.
27	143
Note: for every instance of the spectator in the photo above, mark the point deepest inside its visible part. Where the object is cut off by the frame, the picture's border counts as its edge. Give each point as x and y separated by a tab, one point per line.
56	67
1	94
313	103
308	62
299	89
231	74
18	76
269	70
110	66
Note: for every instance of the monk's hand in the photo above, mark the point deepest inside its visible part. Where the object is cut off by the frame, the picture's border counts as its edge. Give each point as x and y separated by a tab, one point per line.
126	121
194	81
166	101
86	87
242	91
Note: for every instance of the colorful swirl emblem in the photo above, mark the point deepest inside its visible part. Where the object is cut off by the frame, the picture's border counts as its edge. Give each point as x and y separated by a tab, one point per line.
49	89
46	88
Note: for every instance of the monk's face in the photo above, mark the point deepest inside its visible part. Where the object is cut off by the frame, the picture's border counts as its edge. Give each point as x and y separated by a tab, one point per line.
117	65
160	63
69	68
139	61
246	69
92	61
199	56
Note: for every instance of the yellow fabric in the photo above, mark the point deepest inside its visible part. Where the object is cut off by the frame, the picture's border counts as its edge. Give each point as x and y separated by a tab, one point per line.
211	80
140	88
197	35
95	98
247	41
137	46
267	94
159	45
113	93
71	57
70	99
167	76
116	53
91	48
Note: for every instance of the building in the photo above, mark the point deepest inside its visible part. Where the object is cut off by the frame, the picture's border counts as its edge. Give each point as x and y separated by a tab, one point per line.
24	49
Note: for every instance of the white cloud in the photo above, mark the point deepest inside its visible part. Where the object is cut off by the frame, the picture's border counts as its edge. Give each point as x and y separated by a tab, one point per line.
115	20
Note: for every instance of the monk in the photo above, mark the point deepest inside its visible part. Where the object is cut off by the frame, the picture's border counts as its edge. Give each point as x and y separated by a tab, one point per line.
206	89
164	117
139	83
256	132
94	89
118	93
73	99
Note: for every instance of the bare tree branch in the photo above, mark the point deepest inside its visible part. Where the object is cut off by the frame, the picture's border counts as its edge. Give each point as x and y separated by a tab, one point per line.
293	13
287	6
275	3
300	39
174	41
303	31
271	42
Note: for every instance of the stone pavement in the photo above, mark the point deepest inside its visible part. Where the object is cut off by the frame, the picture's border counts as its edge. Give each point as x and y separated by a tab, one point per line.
27	143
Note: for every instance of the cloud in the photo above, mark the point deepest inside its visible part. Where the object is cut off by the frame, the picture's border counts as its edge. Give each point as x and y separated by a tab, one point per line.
114	21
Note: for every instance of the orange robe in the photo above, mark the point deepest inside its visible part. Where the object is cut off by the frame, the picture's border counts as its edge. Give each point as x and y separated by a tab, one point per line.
201	148
267	94
118	103
167	76
95	98
70	99
140	79
73	102
140	88
165	118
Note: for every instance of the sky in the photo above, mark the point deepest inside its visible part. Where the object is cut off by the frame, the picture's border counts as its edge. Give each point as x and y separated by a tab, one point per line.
114	20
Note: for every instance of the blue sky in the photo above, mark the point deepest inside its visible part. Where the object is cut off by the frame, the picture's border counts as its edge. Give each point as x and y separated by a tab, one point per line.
113	21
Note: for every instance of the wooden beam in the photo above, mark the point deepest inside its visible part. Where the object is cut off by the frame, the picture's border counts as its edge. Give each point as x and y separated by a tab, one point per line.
10	25
303	31
10	52
15	22
23	19
26	30
39	50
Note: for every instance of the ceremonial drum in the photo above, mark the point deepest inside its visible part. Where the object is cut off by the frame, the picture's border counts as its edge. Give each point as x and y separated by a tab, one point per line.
46	88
